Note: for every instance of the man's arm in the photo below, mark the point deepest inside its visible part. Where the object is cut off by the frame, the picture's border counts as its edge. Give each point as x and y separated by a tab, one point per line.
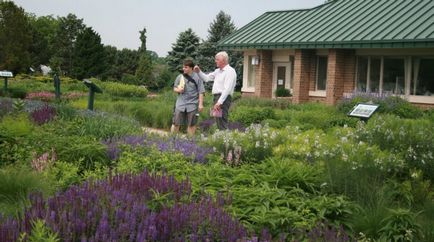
200	107
203	76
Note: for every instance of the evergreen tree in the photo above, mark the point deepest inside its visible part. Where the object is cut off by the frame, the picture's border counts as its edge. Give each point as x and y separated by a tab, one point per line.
88	55
221	27
15	38
144	69
64	43
185	47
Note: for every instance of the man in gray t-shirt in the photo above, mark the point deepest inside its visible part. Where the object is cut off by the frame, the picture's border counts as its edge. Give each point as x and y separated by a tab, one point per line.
189	103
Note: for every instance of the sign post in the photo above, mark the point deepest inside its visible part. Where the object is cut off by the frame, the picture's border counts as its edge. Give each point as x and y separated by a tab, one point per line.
6	74
363	111
92	90
56	81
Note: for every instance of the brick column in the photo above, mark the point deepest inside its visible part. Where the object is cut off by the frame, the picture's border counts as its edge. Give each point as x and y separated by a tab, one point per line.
264	74
339	71
302	75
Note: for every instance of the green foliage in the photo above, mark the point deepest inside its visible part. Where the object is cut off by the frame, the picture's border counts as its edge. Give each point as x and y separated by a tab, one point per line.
251	115
15	38
253	145
185	47
262	102
124	90
17	92
14	131
16	185
400	225
64	174
220	27
282	92
276	194
68	30
15	126
41	233
155	114
387	105
413	139
89	55
145	66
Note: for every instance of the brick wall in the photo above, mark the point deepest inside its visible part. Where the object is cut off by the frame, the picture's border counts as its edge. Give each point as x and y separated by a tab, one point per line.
303	75
264	74
340	74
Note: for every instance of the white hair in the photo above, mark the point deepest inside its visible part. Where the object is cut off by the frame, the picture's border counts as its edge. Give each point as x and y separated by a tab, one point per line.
224	55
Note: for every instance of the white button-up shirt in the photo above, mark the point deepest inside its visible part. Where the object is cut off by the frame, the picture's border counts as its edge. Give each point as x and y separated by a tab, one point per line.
224	81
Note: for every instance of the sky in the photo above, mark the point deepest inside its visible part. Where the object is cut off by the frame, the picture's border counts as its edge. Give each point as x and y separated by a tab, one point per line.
118	22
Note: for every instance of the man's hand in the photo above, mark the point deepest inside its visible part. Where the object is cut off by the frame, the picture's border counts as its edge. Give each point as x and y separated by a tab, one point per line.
200	108
217	106
196	69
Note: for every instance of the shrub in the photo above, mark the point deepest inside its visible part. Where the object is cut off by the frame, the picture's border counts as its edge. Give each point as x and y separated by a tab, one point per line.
251	115
124	90
282	92
17	184
412	139
387	104
253	145
17	92
400	225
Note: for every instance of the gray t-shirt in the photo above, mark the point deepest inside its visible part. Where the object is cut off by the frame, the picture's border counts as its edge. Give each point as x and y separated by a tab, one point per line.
189	99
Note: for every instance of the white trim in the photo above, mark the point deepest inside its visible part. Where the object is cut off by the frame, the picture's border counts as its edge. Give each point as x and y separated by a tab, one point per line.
421	99
320	93
248	89
287	66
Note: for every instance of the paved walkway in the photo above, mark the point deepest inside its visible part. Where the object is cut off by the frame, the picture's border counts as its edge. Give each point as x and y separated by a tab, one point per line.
161	132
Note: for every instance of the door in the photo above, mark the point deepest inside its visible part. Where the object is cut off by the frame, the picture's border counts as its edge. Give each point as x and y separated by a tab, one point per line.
281	76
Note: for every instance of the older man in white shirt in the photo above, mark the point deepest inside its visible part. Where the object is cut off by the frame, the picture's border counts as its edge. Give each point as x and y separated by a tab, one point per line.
224	78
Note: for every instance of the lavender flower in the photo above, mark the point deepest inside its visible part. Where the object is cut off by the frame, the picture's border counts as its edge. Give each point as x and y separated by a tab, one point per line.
172	144
117	209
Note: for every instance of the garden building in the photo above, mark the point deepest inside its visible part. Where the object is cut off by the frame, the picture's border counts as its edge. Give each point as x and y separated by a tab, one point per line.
338	48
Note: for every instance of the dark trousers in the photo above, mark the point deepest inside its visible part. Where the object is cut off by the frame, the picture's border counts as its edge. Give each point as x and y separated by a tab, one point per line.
223	122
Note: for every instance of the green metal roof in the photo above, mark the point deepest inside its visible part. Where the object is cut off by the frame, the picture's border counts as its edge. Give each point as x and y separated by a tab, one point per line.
341	24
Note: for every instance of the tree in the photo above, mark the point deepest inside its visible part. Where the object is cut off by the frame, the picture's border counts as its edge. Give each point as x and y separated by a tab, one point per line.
15	38
220	28
144	69
88	55
43	33
185	47
64	43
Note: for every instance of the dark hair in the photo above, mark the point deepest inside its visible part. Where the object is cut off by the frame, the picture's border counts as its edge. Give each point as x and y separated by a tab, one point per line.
189	63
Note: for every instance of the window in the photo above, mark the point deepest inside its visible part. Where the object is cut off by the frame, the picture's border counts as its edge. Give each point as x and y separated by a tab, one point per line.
374	75
422	80
393	76
390	75
251	75
362	69
321	73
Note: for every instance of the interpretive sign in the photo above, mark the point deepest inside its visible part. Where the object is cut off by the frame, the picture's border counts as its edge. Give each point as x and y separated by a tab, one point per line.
92	90
363	110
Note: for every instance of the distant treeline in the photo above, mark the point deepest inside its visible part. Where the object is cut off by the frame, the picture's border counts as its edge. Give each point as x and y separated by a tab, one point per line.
73	49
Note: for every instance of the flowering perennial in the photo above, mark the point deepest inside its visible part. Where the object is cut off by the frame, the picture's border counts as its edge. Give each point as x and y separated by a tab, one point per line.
43	115
122	208
187	147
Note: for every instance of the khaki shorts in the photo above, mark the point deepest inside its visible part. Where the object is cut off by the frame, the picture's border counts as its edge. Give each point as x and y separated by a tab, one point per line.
185	118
